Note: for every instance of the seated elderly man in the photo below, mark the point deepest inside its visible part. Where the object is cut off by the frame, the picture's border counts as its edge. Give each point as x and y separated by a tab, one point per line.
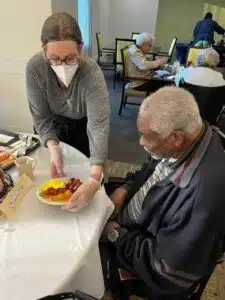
169	228
139	66
204	74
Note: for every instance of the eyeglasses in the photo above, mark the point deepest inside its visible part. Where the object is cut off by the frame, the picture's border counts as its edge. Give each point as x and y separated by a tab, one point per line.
58	61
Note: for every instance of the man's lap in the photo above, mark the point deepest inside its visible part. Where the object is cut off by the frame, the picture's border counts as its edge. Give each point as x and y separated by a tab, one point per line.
112	275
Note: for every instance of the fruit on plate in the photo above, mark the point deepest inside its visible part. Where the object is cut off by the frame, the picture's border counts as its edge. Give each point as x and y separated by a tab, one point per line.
59	190
6	157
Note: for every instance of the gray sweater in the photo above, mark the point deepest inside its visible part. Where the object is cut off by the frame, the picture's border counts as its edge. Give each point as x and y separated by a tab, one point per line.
86	96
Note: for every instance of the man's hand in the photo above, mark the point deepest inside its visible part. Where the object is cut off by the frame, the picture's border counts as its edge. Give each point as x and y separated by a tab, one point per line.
56	167
118	197
108	228
83	195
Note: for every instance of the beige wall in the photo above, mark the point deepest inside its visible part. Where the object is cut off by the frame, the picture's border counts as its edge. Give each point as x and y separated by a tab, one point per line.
20	38
119	18
178	18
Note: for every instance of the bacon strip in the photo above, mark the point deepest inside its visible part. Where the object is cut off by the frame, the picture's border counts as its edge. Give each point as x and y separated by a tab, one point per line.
72	186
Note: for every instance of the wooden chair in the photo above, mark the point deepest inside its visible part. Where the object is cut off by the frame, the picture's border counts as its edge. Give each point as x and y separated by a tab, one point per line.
168	54
120	44
106	53
134	35
128	92
210	100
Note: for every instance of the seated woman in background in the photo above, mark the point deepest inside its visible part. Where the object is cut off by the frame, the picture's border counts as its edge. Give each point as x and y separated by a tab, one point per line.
204	74
139	65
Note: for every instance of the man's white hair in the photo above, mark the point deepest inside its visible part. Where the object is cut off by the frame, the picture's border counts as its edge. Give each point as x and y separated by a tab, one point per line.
170	109
143	38
208	58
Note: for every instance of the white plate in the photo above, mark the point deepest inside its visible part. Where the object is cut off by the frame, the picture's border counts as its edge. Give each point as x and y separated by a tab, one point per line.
55	203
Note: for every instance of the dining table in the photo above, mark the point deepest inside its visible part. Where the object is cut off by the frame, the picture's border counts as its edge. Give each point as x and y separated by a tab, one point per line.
46	250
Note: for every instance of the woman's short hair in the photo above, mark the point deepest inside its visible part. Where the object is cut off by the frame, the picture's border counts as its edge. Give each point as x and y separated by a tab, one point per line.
170	109
143	38
60	27
208	58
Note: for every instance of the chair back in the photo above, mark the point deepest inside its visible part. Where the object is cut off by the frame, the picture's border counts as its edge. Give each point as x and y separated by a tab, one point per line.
172	47
120	44
192	55
210	100
134	35
99	41
124	56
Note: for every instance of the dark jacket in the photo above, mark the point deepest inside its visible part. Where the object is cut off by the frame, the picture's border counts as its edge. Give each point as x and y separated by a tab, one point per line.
180	235
204	30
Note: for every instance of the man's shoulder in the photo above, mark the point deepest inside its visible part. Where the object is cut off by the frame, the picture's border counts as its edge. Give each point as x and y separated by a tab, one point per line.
36	62
213	163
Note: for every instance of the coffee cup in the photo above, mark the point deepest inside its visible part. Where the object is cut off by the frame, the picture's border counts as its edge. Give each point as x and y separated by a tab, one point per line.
26	165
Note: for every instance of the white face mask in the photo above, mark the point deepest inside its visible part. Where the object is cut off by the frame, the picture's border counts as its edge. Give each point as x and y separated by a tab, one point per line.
65	72
153	155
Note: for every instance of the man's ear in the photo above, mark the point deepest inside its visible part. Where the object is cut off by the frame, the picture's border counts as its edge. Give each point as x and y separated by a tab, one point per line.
178	138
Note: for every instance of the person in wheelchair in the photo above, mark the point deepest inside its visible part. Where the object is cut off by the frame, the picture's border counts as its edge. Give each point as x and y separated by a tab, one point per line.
168	227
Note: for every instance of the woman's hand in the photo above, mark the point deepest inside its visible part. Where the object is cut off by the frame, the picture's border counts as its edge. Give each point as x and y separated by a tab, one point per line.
83	195
56	167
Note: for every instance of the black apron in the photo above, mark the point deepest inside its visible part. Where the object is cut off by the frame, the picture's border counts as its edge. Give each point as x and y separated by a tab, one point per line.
73	132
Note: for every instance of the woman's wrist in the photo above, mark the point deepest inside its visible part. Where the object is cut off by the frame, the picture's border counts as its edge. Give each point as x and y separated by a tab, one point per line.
52	143
97	172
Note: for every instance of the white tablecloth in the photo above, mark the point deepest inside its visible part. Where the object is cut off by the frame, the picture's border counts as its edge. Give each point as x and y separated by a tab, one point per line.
47	250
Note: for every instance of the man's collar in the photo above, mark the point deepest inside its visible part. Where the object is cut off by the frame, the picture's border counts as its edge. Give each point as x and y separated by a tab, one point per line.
185	171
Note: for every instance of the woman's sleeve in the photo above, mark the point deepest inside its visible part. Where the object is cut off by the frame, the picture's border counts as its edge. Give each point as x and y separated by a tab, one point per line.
38	105
98	112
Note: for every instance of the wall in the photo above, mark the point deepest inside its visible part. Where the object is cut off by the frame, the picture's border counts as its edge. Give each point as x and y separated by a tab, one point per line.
104	20
119	18
129	16
20	39
178	18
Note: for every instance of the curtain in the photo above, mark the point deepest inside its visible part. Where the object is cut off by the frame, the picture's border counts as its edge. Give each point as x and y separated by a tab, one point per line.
84	12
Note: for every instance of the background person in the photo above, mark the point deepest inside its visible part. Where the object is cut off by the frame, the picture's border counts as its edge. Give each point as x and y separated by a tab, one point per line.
204	31
203	74
139	65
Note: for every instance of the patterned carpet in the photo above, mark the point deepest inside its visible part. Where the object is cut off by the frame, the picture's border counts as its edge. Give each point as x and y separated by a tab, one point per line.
215	289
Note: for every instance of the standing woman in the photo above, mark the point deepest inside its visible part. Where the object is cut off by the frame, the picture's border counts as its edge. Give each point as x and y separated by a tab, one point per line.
68	100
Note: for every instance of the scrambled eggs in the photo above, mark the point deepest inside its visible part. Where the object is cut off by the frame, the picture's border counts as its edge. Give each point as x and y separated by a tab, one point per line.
53	183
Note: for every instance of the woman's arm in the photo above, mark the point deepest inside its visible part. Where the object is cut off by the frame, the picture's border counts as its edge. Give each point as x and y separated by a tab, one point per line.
98	112
39	108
